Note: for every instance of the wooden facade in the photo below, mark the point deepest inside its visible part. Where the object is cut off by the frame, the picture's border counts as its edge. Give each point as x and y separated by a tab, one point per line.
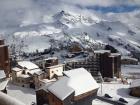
82	96
51	62
42	97
75	47
1	42
4	58
135	91
46	97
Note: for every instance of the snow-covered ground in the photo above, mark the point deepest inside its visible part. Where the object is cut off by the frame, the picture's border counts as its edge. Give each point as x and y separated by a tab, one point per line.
118	90
26	95
115	89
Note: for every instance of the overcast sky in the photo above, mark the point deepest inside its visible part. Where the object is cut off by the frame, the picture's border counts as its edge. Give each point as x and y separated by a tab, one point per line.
13	12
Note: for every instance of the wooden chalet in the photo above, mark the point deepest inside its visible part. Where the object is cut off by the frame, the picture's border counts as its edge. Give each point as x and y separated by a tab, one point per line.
74	86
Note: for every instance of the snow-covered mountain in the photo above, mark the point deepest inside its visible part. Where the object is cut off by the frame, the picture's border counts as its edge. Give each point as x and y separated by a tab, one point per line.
89	30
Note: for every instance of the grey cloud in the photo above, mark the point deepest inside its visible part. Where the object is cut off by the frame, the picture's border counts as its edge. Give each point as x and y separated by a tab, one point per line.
15	12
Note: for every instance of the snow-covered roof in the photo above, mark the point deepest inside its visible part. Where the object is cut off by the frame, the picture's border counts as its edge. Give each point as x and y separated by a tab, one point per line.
102	51
115	54
55	66
81	81
45	87
27	64
60	88
3	83
35	71
2	74
135	83
46	81
50	58
16	69
127	57
39	72
78	80
24	76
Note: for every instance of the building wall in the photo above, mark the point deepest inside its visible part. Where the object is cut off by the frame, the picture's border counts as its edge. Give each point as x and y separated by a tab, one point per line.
99	62
50	62
69	100
4	59
53	100
24	82
82	96
1	42
42	97
103	63
37	80
117	66
16	79
129	62
135	92
52	71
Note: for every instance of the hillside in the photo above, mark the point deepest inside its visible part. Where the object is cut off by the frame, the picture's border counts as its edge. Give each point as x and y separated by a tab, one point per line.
89	30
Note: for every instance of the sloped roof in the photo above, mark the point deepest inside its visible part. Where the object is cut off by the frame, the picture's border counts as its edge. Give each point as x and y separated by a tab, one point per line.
3	83
135	83
77	80
129	58
60	88
2	74
102	51
16	69
81	81
35	71
27	64
55	66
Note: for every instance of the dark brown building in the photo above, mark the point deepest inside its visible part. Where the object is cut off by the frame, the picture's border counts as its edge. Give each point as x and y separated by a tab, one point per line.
108	64
1	42
51	62
4	58
42	95
135	88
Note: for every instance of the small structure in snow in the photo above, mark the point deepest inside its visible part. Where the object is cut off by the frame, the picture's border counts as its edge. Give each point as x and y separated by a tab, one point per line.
135	88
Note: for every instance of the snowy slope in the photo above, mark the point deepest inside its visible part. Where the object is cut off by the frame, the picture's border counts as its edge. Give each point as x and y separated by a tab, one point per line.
90	30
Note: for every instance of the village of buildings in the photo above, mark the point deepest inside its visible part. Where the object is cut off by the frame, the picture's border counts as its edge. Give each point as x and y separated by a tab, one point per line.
99	77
